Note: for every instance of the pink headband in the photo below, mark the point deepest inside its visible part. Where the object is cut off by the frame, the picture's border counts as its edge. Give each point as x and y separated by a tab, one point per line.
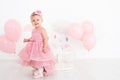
38	12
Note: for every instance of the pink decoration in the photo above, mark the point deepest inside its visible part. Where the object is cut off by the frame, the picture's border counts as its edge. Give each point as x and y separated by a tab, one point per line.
87	27
12	30
7	45
89	41
55	36
66	46
38	12
75	30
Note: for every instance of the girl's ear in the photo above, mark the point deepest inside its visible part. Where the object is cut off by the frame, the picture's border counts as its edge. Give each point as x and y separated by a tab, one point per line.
41	19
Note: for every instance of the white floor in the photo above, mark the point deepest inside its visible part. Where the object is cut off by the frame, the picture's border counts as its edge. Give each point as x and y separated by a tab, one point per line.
84	69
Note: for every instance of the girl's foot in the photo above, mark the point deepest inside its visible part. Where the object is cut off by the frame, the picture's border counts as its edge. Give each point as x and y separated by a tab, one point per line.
38	73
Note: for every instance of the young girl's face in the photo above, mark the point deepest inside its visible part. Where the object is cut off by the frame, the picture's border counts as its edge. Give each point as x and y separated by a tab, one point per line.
36	20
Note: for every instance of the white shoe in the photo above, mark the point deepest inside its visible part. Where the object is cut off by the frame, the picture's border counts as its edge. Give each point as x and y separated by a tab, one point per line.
38	73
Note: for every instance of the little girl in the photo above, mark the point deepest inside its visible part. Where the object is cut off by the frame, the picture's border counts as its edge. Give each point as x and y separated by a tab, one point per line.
37	52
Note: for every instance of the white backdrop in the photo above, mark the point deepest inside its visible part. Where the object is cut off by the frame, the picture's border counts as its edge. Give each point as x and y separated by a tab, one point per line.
104	14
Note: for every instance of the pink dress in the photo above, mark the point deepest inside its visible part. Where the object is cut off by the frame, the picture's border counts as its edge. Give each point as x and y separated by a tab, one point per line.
32	54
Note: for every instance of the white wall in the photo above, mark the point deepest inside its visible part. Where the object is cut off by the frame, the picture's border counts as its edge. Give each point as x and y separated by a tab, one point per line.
103	13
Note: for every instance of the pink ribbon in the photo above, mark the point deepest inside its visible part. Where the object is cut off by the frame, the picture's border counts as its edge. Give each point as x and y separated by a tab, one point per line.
38	12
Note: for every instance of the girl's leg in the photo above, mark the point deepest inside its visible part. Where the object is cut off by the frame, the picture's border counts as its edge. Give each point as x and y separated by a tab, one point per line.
38	73
48	70
38	70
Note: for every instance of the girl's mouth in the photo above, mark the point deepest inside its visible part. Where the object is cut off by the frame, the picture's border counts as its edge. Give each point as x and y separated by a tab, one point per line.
36	24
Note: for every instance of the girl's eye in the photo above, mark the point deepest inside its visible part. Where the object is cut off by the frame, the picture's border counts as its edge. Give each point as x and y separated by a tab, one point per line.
37	19
33	20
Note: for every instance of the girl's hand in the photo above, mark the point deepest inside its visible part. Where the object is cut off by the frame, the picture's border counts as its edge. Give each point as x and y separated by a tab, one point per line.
44	50
26	40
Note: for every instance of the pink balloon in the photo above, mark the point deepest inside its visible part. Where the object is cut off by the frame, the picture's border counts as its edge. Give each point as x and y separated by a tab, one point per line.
12	30
88	27
89	41
6	45
75	30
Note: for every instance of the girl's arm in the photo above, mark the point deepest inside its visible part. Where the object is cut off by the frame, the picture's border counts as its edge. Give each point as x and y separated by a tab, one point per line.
45	39
27	40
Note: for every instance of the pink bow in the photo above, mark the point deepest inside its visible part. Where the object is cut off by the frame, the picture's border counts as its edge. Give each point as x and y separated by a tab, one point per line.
38	12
